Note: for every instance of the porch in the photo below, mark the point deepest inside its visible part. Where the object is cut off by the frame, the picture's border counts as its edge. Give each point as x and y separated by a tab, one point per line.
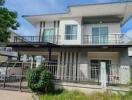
86	66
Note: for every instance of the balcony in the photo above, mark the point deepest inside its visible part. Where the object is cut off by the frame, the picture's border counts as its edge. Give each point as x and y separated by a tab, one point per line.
111	39
103	39
37	39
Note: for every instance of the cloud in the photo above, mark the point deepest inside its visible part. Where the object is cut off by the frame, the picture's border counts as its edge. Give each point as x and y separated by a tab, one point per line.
35	7
128	36
30	7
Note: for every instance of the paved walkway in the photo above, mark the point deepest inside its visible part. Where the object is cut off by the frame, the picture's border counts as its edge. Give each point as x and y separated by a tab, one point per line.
14	95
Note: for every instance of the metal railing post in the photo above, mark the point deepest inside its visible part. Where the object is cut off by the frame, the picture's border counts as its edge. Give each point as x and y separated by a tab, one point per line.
5	75
20	87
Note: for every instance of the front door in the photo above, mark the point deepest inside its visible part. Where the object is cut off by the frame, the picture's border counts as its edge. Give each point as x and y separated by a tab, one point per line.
95	69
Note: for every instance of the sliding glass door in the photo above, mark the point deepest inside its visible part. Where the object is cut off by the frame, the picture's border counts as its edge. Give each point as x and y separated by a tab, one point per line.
48	35
100	35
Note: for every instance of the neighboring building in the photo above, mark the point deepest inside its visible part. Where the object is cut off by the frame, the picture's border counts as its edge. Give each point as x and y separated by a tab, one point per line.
86	43
7	53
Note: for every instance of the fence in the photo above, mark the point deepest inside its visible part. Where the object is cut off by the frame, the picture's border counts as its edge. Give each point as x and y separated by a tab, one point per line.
84	73
13	75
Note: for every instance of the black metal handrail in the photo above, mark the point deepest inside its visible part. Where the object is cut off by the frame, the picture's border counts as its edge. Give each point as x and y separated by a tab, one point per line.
86	39
103	39
37	39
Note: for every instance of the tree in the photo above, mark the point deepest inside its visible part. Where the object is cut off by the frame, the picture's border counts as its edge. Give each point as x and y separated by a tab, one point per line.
7	21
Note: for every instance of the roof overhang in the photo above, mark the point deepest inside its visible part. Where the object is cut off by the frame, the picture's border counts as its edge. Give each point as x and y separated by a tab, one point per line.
26	44
47	45
122	9
102	19
96	46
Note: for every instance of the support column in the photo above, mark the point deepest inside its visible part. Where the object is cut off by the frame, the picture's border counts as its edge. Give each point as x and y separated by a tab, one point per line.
74	67
38	61
32	62
62	68
19	56
49	49
59	66
103	74
24	58
66	67
71	66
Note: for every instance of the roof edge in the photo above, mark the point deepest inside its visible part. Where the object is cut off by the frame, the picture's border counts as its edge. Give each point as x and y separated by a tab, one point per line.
70	6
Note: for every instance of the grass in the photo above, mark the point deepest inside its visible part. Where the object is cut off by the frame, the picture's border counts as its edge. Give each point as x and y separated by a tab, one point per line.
75	95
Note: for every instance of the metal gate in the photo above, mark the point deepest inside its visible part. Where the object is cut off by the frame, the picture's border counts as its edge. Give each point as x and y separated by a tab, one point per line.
13	75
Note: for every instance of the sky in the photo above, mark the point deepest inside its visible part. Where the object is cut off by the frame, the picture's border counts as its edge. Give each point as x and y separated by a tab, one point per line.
35	7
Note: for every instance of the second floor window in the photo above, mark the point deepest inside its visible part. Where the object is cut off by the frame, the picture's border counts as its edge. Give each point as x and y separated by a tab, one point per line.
71	32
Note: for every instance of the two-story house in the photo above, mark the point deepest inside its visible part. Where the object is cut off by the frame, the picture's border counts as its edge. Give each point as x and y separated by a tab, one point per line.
85	42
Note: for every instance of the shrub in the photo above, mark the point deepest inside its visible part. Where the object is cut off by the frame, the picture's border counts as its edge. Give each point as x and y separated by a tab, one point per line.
40	80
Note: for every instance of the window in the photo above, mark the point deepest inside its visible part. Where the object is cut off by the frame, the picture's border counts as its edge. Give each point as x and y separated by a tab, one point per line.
48	35
71	32
100	35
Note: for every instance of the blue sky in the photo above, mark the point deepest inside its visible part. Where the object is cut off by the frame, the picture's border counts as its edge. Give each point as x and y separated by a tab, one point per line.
34	7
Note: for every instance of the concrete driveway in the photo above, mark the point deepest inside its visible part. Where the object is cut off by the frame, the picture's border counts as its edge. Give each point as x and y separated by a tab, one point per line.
14	95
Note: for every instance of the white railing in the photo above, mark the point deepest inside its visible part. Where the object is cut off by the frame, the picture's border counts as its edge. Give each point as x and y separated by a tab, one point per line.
103	39
83	73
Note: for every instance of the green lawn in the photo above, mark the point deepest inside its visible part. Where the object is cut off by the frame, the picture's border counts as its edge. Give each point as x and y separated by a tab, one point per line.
74	95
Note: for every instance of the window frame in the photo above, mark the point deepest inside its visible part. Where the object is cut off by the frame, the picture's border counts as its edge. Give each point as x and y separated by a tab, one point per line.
49	37
100	38
72	35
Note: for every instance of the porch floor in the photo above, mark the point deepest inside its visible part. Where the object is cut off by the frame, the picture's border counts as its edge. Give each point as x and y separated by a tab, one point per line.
78	86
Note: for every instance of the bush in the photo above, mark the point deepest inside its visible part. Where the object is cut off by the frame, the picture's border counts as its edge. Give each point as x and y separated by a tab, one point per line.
40	80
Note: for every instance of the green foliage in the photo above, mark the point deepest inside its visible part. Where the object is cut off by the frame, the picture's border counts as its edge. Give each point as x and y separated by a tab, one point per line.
40	80
75	95
7	21
2	2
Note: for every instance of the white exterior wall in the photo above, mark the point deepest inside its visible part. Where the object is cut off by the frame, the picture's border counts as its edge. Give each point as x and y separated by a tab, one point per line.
125	67
86	57
61	31
70	21
37	26
113	56
113	28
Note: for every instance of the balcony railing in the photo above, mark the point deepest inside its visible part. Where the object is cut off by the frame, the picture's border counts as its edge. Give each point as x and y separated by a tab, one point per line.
103	39
37	39
85	39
